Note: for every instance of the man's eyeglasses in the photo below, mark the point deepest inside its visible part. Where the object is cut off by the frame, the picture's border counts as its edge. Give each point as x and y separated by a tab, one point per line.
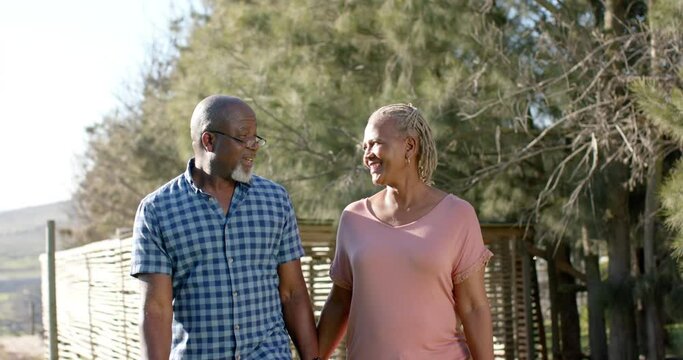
252	142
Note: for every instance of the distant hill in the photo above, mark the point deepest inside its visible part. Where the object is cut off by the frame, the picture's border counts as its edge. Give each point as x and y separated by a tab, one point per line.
22	240
22	231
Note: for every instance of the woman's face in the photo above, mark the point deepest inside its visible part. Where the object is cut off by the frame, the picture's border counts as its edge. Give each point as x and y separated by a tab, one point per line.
384	151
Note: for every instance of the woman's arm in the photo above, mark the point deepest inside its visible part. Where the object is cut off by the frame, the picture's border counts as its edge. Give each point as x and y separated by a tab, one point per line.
474	312
333	320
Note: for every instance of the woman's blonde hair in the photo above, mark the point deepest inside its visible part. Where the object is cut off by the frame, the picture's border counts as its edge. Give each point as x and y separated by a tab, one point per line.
409	121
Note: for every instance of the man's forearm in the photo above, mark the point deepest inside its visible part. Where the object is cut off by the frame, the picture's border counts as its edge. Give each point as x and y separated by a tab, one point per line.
156	334
300	324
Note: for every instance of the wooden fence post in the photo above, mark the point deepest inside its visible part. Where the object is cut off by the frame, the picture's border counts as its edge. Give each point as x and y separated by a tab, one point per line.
32	316
528	317
51	291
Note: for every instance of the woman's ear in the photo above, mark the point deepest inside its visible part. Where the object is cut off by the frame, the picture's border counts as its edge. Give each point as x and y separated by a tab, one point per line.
410	146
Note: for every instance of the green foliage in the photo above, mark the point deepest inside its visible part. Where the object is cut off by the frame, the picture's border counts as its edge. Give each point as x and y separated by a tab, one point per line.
672	202
492	80
664	108
516	136
667	15
660	99
314	71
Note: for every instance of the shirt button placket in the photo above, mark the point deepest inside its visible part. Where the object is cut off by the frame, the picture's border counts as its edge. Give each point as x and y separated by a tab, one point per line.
231	273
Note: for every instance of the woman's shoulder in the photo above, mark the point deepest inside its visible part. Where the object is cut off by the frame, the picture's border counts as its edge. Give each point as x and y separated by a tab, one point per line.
456	203
357	206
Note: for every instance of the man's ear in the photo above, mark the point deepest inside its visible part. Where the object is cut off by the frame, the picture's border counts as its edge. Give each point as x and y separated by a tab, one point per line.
410	146
207	141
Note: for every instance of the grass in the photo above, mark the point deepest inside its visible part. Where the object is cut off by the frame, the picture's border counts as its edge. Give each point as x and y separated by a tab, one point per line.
4	297
21	274
17	268
15	316
22	262
19	286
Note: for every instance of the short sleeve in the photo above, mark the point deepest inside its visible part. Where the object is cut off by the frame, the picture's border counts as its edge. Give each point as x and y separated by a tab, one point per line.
473	253
148	253
340	270
290	244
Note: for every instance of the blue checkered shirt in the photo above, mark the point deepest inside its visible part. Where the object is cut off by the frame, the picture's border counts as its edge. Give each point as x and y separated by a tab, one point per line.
226	302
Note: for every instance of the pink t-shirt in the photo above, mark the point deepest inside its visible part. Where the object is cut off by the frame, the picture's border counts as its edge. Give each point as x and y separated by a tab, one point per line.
402	280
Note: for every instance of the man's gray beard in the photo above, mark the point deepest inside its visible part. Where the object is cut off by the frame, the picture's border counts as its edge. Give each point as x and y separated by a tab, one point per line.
240	175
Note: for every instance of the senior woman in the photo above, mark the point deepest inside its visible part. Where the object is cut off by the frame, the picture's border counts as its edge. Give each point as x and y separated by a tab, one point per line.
408	273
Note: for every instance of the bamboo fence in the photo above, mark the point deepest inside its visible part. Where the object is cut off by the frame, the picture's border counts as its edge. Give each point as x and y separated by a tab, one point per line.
98	302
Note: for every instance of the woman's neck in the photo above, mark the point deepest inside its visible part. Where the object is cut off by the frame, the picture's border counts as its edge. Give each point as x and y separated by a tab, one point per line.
406	197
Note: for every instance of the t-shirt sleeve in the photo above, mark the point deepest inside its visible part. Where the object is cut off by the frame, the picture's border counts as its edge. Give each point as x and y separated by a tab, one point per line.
473	253
148	251
340	270
290	245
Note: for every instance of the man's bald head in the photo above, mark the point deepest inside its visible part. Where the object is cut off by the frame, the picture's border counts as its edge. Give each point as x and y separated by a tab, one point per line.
218	125
211	111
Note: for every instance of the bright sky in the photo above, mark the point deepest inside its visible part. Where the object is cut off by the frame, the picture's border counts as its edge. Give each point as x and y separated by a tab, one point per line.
63	66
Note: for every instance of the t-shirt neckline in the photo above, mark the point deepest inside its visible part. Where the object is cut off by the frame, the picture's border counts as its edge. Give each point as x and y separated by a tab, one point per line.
375	218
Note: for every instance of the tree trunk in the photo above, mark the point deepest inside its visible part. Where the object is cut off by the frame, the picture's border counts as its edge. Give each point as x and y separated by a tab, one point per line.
596	310
569	314
554	304
614	15
597	334
652	302
622	344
